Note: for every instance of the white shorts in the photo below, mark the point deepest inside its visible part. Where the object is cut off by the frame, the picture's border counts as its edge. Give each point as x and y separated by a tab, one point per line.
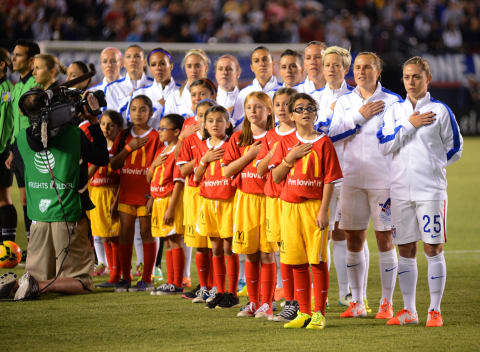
359	204
414	221
334	207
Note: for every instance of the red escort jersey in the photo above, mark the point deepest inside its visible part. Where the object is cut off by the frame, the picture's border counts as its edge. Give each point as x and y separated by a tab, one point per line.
165	175
190	151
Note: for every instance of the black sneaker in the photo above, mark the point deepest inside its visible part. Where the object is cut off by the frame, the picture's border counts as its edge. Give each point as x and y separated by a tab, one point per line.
191	294
288	313
214	302
27	288
169	289
122	286
107	284
229	301
7	284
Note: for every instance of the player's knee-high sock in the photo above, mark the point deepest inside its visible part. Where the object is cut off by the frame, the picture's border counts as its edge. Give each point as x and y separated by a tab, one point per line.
111	252
108	255
202	261
329	255
320	285
437	277
170	267
252	275
220	270
287	281
356	274
158	261
303	291
407	278
138	242
8	223
27	222
388	273
99	249
211	271
188	261
339	259
241	271
366	252
149	251
125	259
267	280
178	255
232	272
279	271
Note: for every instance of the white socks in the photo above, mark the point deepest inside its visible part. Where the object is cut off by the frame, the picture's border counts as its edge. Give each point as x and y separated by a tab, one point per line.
188	260
279	272
388	273
339	259
366	252
241	274
356	274
99	250
137	241
437	276
407	278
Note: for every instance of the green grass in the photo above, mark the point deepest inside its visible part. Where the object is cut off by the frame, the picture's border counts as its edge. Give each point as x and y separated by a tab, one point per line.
105	321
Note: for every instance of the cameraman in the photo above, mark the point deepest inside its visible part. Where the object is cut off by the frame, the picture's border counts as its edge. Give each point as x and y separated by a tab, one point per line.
60	256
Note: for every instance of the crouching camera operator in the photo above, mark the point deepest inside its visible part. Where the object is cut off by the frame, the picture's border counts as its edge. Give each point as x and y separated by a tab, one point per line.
56	152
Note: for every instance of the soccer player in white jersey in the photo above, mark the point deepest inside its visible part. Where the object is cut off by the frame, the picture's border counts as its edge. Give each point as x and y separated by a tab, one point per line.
291	70
117	93
423	137
261	65
160	63
365	189
227	74
110	64
196	65
312	62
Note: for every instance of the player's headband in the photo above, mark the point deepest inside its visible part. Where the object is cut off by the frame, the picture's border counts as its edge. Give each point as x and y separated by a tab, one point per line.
159	50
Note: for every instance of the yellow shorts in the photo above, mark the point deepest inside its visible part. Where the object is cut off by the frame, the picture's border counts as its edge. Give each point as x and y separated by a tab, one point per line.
249	230
102	223
191	208
135	210
272	219
216	218
302	241
160	206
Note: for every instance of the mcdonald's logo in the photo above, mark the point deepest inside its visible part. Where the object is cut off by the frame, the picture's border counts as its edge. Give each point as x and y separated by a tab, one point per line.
144	156
305	162
240	236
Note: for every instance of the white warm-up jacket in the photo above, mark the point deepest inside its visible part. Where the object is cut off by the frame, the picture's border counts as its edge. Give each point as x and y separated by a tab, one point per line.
420	155
117	93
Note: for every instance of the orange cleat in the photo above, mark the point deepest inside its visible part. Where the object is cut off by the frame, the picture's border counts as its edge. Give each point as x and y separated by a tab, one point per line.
385	311
404	317
354	310
186	282
434	319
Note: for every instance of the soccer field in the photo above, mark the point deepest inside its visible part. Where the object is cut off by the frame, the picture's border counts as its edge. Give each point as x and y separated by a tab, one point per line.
107	321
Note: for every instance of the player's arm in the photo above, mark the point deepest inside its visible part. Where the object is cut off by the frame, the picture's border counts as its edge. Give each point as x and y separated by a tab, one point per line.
262	167
237	165
135	143
176	194
322	216
298	151
451	137
91	170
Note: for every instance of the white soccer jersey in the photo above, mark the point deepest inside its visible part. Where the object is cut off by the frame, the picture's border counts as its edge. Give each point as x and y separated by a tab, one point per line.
325	97
420	155
237	113
179	103
306	86
272	92
99	86
227	99
156	92
117	93
363	164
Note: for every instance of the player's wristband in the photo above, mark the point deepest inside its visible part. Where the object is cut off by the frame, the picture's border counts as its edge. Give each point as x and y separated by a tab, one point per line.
284	162
128	148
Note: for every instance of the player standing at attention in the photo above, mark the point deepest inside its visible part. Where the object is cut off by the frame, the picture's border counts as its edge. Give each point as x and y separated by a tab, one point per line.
135	150
160	63
307	165
110	64
366	185
165	204
291	70
249	228
189	143
103	189
273	209
423	137
312	62
117	93
262	67
227	73
215	218
195	64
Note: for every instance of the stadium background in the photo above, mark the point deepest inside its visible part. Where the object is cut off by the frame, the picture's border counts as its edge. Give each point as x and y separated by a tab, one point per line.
446	32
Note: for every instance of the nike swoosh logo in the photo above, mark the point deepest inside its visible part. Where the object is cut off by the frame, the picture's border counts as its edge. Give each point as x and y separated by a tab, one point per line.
388	270
403	272
436	277
435	236
350	266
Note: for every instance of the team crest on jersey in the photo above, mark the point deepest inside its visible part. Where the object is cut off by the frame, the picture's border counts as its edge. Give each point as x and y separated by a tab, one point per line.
6	97
44	204
44	161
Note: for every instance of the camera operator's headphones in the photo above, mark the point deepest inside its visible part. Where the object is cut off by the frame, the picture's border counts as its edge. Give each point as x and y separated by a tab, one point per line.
32	91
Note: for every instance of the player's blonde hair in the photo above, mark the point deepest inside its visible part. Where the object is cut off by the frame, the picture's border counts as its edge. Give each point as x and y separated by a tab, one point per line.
342	52
246	137
200	53
52	63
